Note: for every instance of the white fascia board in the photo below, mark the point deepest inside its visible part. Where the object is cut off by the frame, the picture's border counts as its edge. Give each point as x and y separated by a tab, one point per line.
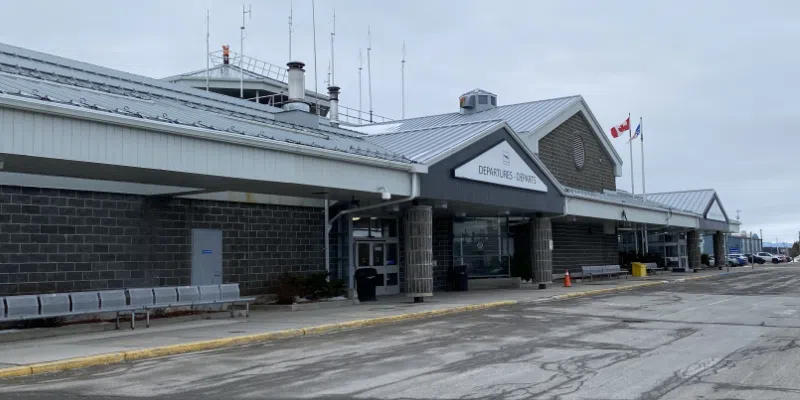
121	120
26	133
258	198
90	185
610	211
734	227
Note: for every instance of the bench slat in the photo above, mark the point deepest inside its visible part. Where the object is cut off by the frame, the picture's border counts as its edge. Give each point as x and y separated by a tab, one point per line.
188	294
165	295
209	293
112	300
57	303
85	302
141	297
229	291
23	306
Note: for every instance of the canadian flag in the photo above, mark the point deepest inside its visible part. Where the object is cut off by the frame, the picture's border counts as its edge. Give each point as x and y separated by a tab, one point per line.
617	130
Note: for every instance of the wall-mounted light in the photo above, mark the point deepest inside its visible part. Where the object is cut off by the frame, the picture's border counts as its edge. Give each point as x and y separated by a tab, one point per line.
384	194
394	208
356	218
442	204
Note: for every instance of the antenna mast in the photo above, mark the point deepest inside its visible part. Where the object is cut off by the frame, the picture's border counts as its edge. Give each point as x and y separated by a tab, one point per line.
360	91
369	72
314	29
245	12
208	44
403	83
291	11
333	65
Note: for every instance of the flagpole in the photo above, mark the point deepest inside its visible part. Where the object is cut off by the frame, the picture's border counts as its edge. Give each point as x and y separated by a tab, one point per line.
641	140
644	191
630	144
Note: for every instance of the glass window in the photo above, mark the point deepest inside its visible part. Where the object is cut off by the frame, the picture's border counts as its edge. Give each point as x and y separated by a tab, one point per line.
391	254
482	244
388	227
494	100
360	227
377	254
363	254
483	99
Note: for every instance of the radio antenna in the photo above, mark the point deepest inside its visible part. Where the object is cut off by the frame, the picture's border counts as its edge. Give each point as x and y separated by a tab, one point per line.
245	12
291	11
369	72
403	83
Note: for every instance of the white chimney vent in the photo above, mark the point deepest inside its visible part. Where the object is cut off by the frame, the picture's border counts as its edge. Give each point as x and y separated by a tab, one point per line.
297	87
333	113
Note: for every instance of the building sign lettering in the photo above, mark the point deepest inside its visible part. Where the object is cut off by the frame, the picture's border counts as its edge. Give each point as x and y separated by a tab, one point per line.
501	165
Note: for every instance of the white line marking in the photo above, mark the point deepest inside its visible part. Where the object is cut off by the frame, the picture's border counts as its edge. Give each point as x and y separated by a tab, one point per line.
722	301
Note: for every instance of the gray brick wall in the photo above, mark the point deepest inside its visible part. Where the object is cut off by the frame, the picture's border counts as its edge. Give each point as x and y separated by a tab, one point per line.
61	240
577	244
556	151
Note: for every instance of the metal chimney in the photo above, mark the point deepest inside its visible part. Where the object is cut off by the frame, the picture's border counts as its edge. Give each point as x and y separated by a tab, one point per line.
297	87
333	93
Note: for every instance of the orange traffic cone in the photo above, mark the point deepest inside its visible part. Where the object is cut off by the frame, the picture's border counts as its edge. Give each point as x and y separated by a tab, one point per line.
567	280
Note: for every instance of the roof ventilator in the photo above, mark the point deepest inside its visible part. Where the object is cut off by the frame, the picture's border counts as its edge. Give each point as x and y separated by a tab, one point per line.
476	101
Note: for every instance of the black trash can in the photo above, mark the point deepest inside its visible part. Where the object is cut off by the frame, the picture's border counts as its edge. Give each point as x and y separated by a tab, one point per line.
458	278
365	283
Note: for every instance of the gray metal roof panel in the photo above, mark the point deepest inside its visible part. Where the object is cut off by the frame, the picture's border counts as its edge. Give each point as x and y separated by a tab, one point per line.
43	77
694	201
623	198
423	145
522	117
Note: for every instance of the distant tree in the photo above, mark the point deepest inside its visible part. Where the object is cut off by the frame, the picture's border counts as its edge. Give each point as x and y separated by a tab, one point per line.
795	250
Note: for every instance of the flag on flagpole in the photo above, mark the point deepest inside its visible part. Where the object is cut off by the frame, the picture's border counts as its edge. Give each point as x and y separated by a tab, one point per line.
617	130
637	133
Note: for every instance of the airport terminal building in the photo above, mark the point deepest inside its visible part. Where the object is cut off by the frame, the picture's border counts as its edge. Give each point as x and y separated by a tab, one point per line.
113	180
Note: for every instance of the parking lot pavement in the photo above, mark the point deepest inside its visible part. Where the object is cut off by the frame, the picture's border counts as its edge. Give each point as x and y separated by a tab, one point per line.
732	337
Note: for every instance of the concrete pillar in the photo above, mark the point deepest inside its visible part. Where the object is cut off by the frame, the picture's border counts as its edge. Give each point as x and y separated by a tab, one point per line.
693	249
719	249
419	252
541	251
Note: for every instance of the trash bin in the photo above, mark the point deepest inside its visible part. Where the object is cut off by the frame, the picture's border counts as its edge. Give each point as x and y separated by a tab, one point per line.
638	269
365	283
459	281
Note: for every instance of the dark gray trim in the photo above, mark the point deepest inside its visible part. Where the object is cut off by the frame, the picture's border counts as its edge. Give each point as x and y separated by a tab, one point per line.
713	225
440	184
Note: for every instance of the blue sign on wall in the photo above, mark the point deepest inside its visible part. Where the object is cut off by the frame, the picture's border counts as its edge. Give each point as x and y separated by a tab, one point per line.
206	251
733	250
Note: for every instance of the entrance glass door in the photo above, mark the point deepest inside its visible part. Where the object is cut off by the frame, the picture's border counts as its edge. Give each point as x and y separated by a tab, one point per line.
383	257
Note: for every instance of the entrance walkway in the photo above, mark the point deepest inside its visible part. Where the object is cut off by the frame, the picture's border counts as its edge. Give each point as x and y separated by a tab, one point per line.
164	332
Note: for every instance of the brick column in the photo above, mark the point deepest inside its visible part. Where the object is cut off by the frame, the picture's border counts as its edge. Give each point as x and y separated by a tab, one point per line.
419	252
693	249
719	249
541	252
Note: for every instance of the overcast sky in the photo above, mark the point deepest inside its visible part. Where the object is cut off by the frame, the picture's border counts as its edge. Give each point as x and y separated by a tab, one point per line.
715	81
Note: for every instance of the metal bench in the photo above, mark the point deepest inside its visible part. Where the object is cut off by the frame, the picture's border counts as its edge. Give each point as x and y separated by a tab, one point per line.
181	296
652	267
133	301
29	307
615	270
602	270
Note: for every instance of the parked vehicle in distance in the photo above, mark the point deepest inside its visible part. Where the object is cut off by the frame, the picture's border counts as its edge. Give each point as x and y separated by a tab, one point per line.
740	259
768	257
754	259
732	261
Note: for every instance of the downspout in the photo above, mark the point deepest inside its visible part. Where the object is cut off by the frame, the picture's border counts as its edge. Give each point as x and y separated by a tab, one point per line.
329	223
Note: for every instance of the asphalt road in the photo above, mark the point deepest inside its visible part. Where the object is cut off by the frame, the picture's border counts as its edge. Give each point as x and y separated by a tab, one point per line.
733	337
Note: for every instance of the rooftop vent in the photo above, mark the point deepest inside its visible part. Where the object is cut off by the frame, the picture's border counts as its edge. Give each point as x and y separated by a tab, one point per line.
476	101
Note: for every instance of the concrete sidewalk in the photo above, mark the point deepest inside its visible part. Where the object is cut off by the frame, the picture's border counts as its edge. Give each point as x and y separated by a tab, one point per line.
164	338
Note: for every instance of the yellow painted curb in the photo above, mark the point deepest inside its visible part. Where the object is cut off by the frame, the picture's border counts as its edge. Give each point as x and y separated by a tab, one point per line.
78	362
13	372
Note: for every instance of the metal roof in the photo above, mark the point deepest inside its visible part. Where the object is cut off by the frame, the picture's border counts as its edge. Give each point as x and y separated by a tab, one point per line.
618	197
423	145
68	83
693	201
522	117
